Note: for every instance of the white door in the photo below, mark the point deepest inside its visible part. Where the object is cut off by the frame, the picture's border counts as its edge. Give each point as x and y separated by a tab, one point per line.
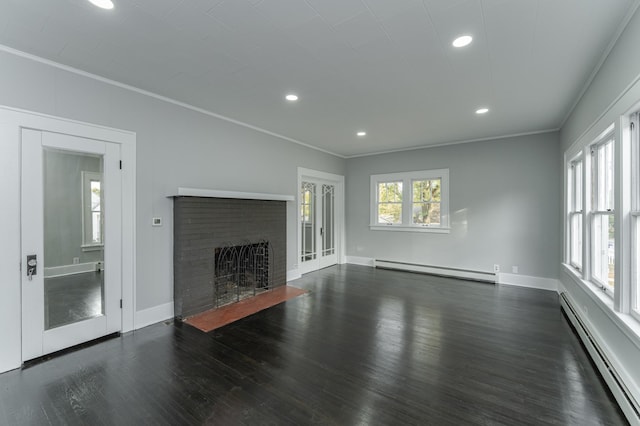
318	230
71	241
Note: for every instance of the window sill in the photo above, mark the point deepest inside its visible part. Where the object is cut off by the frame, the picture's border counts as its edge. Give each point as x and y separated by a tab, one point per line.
625	322
401	228
92	247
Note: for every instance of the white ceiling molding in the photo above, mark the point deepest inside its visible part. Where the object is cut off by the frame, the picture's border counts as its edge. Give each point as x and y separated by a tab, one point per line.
632	10
120	85
387	67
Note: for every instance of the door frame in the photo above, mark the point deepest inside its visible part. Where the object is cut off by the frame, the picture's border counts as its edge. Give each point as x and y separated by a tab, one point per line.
338	181
12	121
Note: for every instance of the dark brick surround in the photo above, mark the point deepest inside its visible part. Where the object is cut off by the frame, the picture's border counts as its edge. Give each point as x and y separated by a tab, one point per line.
201	224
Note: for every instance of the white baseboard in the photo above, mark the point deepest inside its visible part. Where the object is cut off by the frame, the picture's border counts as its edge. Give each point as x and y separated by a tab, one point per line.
528	281
622	385
437	270
153	315
293	274
364	261
78	268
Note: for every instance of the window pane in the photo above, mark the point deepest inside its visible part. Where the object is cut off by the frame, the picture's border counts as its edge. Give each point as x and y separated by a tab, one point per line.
636	252
426	213
604	249
96	227
421	191
389	213
577	187
390	192
426	202
604	183
435	190
434	216
609	176
308	221
576	240
390	202
95	195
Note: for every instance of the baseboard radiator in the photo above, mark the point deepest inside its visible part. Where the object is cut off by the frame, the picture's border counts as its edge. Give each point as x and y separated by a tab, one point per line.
625	398
466	274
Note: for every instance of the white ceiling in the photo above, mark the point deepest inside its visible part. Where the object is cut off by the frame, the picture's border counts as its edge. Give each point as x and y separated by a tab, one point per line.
384	66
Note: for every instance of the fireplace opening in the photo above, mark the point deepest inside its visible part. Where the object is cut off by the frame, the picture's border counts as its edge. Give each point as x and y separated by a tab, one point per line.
242	271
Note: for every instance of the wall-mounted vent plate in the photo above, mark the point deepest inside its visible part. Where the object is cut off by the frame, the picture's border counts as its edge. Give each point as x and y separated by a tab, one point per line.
156	221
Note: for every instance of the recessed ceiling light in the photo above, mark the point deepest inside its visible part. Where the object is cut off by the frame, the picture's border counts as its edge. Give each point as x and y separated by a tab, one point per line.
361	134
104	4
462	41
482	111
291	97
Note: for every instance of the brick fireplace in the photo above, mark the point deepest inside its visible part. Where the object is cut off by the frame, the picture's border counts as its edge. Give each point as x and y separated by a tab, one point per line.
226	249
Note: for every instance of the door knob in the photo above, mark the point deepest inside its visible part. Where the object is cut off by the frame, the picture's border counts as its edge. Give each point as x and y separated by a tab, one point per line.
32	265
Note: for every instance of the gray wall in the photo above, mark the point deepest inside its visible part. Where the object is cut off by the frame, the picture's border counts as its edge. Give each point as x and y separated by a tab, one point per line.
63	208
613	92
504	204
176	147
620	69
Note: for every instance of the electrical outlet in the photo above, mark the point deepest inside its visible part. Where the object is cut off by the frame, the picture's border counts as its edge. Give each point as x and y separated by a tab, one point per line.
76	260
496	268
514	269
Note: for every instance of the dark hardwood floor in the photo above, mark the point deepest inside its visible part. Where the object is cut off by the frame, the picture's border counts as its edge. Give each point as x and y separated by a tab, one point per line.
72	298
363	347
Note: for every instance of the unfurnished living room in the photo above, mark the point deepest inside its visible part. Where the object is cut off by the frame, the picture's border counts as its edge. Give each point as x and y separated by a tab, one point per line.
333	212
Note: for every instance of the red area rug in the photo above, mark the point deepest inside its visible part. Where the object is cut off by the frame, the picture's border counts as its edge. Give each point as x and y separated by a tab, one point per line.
216	318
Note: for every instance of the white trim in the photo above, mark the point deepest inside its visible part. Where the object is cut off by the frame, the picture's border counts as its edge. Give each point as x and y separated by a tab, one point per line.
85	195
293	274
92	247
339	206
12	120
118	84
583	140
551	284
627	324
630	12
78	268
215	193
154	315
458	142
407	179
414	228
616	377
436	270
357	260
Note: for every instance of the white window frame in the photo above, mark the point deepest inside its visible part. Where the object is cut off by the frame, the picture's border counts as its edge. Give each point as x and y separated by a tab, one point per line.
407	178
87	228
575	208
634	126
595	210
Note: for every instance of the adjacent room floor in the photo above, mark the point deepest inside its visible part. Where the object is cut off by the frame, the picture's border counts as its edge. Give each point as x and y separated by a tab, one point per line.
364	346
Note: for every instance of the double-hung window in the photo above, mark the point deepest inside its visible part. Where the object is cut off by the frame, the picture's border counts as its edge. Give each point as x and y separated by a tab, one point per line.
92	220
389	203
576	192
602	214
411	201
635	215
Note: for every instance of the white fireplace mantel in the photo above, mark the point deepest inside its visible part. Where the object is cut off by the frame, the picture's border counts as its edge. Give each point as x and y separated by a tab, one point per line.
216	193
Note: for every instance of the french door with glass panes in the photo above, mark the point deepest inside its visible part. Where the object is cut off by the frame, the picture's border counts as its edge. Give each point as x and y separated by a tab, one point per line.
71	241
317	225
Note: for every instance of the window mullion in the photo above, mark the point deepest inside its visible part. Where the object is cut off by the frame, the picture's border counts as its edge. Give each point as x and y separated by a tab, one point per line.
407	201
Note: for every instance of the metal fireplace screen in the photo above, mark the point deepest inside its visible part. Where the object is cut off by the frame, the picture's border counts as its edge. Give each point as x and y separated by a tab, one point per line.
242	271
